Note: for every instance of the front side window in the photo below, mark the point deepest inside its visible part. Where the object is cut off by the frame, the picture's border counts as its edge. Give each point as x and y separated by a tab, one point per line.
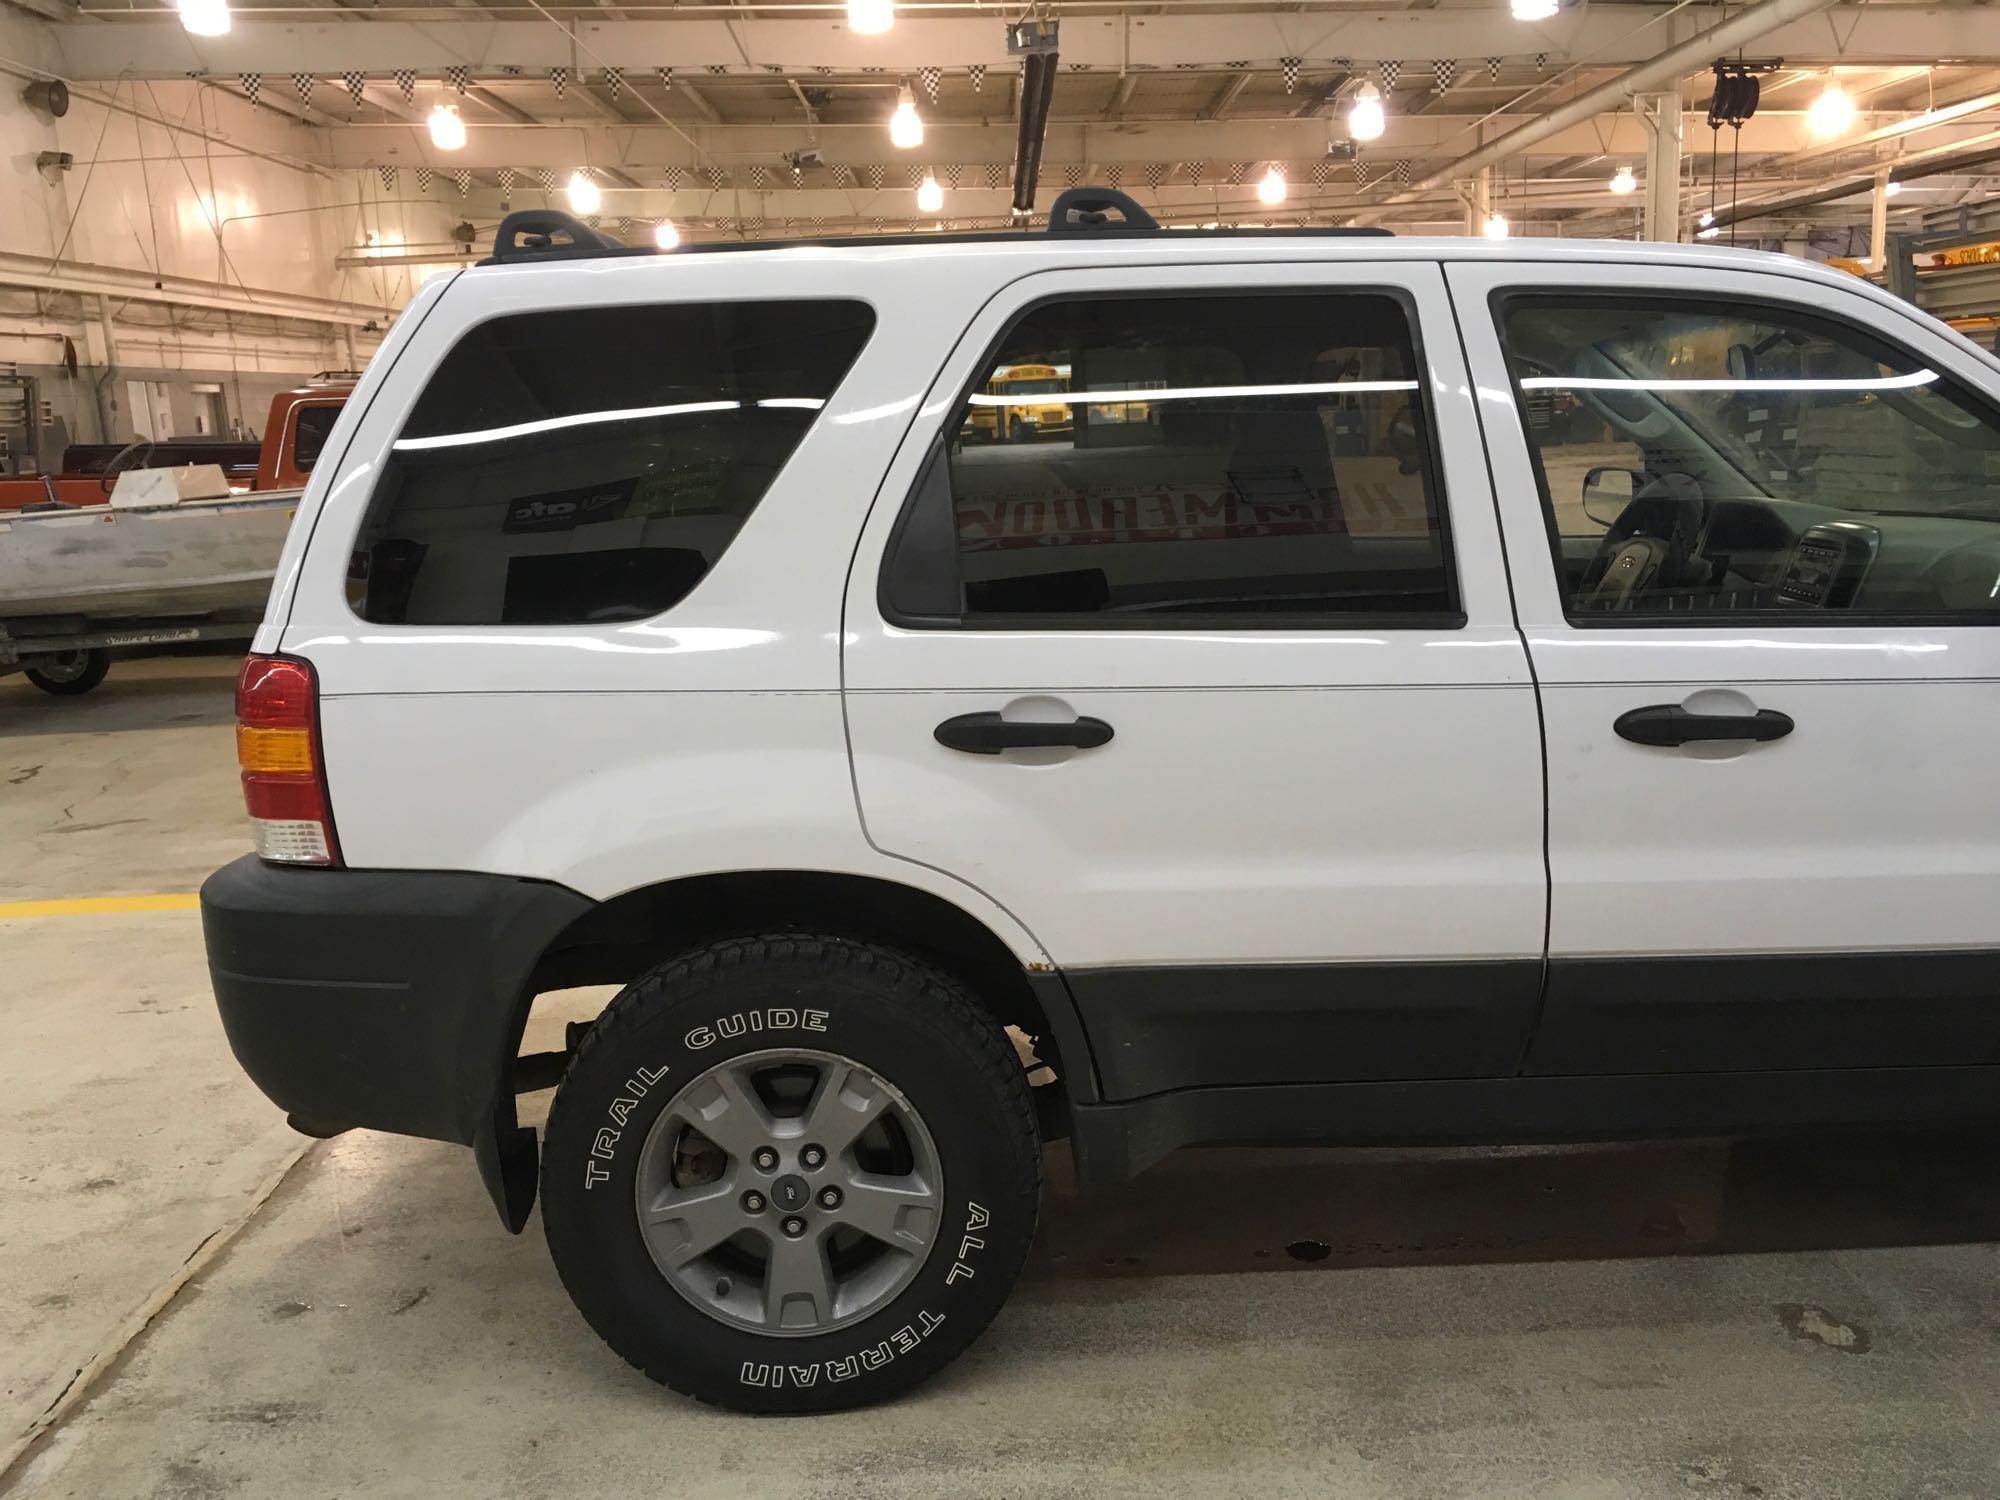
593	464
1262	460
1704	459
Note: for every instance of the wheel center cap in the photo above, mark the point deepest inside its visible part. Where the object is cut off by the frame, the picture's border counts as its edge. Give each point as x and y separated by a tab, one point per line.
790	1193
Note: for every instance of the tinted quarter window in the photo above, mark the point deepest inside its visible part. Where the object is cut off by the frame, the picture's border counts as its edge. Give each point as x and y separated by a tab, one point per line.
1130	460
1704	459
593	464
309	434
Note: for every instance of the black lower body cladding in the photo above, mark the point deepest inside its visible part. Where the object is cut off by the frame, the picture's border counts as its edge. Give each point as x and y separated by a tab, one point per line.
382	998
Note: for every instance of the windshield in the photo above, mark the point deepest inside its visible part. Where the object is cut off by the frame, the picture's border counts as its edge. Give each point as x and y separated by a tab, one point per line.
1796	408
1005	387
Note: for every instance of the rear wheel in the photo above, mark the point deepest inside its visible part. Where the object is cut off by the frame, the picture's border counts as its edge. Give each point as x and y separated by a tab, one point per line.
791	1173
71	673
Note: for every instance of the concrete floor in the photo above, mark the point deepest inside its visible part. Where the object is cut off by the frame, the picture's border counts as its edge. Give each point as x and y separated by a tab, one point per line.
1728	1319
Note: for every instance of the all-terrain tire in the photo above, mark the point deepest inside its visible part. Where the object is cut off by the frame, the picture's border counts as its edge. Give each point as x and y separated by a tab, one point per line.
912	1026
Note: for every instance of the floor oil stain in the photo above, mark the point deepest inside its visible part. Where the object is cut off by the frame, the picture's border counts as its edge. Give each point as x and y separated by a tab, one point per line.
1816	1325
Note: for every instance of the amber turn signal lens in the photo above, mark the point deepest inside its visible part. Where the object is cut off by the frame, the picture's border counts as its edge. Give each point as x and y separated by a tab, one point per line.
274	749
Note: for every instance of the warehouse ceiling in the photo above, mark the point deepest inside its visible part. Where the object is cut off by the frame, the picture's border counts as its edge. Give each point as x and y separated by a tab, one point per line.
767	119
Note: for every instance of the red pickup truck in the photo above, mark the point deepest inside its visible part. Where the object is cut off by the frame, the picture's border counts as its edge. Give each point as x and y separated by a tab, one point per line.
294	433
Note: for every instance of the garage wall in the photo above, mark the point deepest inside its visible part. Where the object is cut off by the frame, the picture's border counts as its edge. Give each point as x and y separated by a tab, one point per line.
182	190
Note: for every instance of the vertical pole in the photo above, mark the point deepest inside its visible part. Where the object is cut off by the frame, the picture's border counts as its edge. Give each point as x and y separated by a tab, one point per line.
1878	222
1477	195
1661	114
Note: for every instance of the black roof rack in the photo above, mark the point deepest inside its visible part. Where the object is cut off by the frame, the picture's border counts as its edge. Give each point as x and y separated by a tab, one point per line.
544	234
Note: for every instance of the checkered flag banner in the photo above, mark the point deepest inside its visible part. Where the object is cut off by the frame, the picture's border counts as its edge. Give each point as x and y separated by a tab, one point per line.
623	226
755	227
1079	67
559	77
1390	70
423	179
759	178
875	175
1238	66
951	177
819	221
459	78
996	174
1541	61
916	176
1403	173
303	82
1289	66
546	178
1345	64
718	68
1072	175
1444	70
507	180
253	85
1156	173
355	83
464	181
930	78
978	74
1319	173
672	177
1237	172
1362	173
844	177
406	80
666	77
388	179
798	175
1111	176
1492	70
593	220
714	176
1195	171
614	81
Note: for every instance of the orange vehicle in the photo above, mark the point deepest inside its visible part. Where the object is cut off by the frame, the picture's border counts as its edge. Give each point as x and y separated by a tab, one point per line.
294	432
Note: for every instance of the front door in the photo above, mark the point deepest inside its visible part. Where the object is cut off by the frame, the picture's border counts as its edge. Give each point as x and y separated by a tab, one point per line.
1754	525
1180	629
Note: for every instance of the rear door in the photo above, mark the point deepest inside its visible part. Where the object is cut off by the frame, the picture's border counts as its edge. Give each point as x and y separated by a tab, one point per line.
1210	676
1756	552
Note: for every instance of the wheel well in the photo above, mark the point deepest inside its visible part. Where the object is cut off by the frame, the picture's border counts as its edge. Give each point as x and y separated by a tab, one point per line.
620	939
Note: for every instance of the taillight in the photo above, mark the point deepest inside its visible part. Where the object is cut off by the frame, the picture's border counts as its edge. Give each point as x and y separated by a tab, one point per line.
284	775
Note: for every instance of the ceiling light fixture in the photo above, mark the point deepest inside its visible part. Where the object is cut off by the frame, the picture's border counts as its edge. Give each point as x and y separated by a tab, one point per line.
665	235
1271	187
906	126
1533	10
584	195
1832	113
1366	119
447	129
1496	226
1891	187
204	17
930	196
870	17
1623	182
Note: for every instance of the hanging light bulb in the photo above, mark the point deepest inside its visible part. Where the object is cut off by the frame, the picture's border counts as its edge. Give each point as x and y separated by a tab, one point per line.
1709	233
1832	112
1495	227
665	235
584	195
870	17
1706	219
1891	187
1623	182
447	129
1366	119
1533	10
906	126
1271	187
204	17
930	196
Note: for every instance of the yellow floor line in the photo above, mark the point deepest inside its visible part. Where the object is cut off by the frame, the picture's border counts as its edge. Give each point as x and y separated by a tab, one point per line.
90	906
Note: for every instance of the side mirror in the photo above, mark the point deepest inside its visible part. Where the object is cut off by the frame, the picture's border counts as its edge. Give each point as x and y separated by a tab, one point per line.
1607	491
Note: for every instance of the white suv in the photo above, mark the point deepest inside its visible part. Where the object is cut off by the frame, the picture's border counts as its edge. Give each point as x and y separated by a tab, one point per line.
1312	686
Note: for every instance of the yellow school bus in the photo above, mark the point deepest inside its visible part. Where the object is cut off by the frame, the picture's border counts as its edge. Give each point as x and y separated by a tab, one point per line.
1020	414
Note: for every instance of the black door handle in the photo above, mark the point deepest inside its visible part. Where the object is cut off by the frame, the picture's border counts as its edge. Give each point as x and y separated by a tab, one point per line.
1670	724
989	734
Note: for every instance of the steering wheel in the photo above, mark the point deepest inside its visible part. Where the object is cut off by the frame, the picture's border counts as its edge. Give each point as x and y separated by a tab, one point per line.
133	455
1648	546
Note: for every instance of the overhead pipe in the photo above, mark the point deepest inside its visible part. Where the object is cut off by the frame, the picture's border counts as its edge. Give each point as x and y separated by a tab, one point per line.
1697	52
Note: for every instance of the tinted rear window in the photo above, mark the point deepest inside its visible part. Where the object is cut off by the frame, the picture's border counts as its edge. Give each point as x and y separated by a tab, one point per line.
593	464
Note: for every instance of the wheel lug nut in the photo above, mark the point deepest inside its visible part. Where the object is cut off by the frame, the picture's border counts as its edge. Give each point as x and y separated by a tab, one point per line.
829	1197
753	1202
812	1156
766	1158
795	1227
